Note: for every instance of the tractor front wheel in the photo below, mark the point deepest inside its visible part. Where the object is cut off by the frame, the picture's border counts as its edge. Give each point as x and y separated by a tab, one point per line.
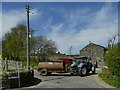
83	71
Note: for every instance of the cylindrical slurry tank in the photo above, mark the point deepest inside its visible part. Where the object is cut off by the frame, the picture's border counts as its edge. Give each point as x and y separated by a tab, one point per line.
51	65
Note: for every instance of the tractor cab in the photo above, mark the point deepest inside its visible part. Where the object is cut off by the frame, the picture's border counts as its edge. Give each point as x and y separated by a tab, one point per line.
82	59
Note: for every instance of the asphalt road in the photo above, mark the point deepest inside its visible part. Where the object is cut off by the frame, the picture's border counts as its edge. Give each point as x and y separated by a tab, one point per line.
65	80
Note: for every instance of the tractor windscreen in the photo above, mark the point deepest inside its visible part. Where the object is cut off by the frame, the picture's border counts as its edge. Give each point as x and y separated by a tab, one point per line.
81	60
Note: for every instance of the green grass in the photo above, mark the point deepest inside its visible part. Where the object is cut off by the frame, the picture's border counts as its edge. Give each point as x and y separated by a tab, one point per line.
110	79
32	63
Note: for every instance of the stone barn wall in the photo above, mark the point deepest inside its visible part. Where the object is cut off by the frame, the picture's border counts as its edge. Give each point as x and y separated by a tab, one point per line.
96	52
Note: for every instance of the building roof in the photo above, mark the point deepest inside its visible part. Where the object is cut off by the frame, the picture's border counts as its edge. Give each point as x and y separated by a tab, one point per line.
64	59
94	45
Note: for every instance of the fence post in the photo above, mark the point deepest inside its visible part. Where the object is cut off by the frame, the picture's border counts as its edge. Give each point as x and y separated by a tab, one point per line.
18	67
6	64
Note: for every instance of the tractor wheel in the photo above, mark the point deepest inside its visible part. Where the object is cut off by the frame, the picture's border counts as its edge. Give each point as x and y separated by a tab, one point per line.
44	72
94	70
83	71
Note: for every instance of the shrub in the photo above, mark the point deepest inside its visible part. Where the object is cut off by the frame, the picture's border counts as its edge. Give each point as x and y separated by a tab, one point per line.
112	59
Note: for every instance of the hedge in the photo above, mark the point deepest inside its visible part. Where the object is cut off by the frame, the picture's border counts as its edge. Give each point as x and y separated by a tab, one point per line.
112	59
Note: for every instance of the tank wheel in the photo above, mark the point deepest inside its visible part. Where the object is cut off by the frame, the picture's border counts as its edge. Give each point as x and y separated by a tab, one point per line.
83	71
44	72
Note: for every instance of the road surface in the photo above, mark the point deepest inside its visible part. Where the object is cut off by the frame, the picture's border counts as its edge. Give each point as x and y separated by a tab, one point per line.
65	80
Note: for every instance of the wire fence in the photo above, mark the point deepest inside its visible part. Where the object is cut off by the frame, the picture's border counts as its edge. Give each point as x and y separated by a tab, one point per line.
11	65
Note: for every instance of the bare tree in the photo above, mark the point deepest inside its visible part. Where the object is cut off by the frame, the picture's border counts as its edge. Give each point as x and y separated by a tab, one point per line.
112	40
44	47
70	50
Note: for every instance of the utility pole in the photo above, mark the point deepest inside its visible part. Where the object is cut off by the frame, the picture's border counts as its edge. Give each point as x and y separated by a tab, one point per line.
70	50
28	38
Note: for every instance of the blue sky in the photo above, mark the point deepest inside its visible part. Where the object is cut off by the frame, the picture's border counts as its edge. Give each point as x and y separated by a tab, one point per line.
68	24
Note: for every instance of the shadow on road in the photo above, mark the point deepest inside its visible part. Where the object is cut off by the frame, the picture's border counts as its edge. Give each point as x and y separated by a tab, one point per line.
90	74
52	79
68	74
35	81
61	74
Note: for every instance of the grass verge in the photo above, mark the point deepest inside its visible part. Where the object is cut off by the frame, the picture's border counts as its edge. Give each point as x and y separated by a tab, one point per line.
110	79
32	63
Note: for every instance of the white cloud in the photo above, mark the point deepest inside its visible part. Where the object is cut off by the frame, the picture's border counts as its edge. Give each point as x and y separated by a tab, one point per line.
47	25
14	17
98	26
11	19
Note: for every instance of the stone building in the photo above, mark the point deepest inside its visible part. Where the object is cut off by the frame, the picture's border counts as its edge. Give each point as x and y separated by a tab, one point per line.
96	52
